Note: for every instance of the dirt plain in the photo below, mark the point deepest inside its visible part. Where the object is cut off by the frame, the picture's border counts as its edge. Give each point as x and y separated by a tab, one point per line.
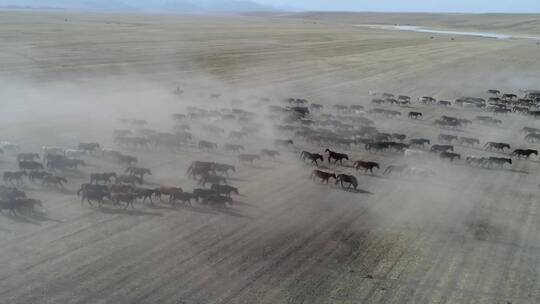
466	235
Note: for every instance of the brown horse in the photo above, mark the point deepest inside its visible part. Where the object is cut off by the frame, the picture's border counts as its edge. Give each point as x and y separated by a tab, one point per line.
324	176
366	165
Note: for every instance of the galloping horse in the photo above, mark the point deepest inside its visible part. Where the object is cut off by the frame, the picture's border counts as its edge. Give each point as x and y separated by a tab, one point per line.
336	156
349	179
524	152
313	157
366	165
499	146
324	176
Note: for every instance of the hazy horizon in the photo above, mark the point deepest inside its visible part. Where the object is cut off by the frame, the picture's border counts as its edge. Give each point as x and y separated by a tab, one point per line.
422	6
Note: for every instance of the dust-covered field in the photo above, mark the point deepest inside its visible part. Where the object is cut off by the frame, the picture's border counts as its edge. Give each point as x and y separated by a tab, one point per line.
460	234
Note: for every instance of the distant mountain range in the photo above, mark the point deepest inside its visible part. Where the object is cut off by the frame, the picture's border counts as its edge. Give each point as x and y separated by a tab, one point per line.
142	5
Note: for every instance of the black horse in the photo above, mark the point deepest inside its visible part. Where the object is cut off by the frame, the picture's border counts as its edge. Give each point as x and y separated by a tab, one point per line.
419	142
499	146
336	156
441	148
366	165
348	179
450	155
415	115
524	153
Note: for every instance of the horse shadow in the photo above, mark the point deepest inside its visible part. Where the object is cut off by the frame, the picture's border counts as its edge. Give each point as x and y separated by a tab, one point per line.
125	211
60	190
41	216
241	203
261	167
22	219
156	206
229	211
236	179
357	191
194	208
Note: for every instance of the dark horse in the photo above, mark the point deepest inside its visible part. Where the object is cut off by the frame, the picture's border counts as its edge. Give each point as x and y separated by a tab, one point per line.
336	156
324	176
349	179
313	157
496	145
366	165
524	152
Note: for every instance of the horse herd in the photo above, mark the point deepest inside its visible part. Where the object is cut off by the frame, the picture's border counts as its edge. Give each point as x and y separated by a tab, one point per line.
298	123
355	130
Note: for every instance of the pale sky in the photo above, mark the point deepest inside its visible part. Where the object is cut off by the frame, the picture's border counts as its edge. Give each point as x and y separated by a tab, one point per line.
474	6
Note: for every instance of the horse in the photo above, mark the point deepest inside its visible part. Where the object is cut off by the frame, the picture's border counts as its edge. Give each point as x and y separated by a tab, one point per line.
64	163
223	168
336	156
313	157
198	168
182	196
441	148
14	176
30	165
33	175
324	176
102	177
20	204
238	134
498	161
27	156
94	195
377	146
349	179
449	155
170	191
207	145
476	160
366	165
393	168
217	199
415	115
145	193
524	152
233	147
126	160
127	198
447	138
532	137
270	153
203	193
224	189
140	172
52	180
419	142
496	145
249	157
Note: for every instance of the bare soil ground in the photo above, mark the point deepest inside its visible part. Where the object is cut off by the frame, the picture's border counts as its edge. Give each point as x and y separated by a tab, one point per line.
467	235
